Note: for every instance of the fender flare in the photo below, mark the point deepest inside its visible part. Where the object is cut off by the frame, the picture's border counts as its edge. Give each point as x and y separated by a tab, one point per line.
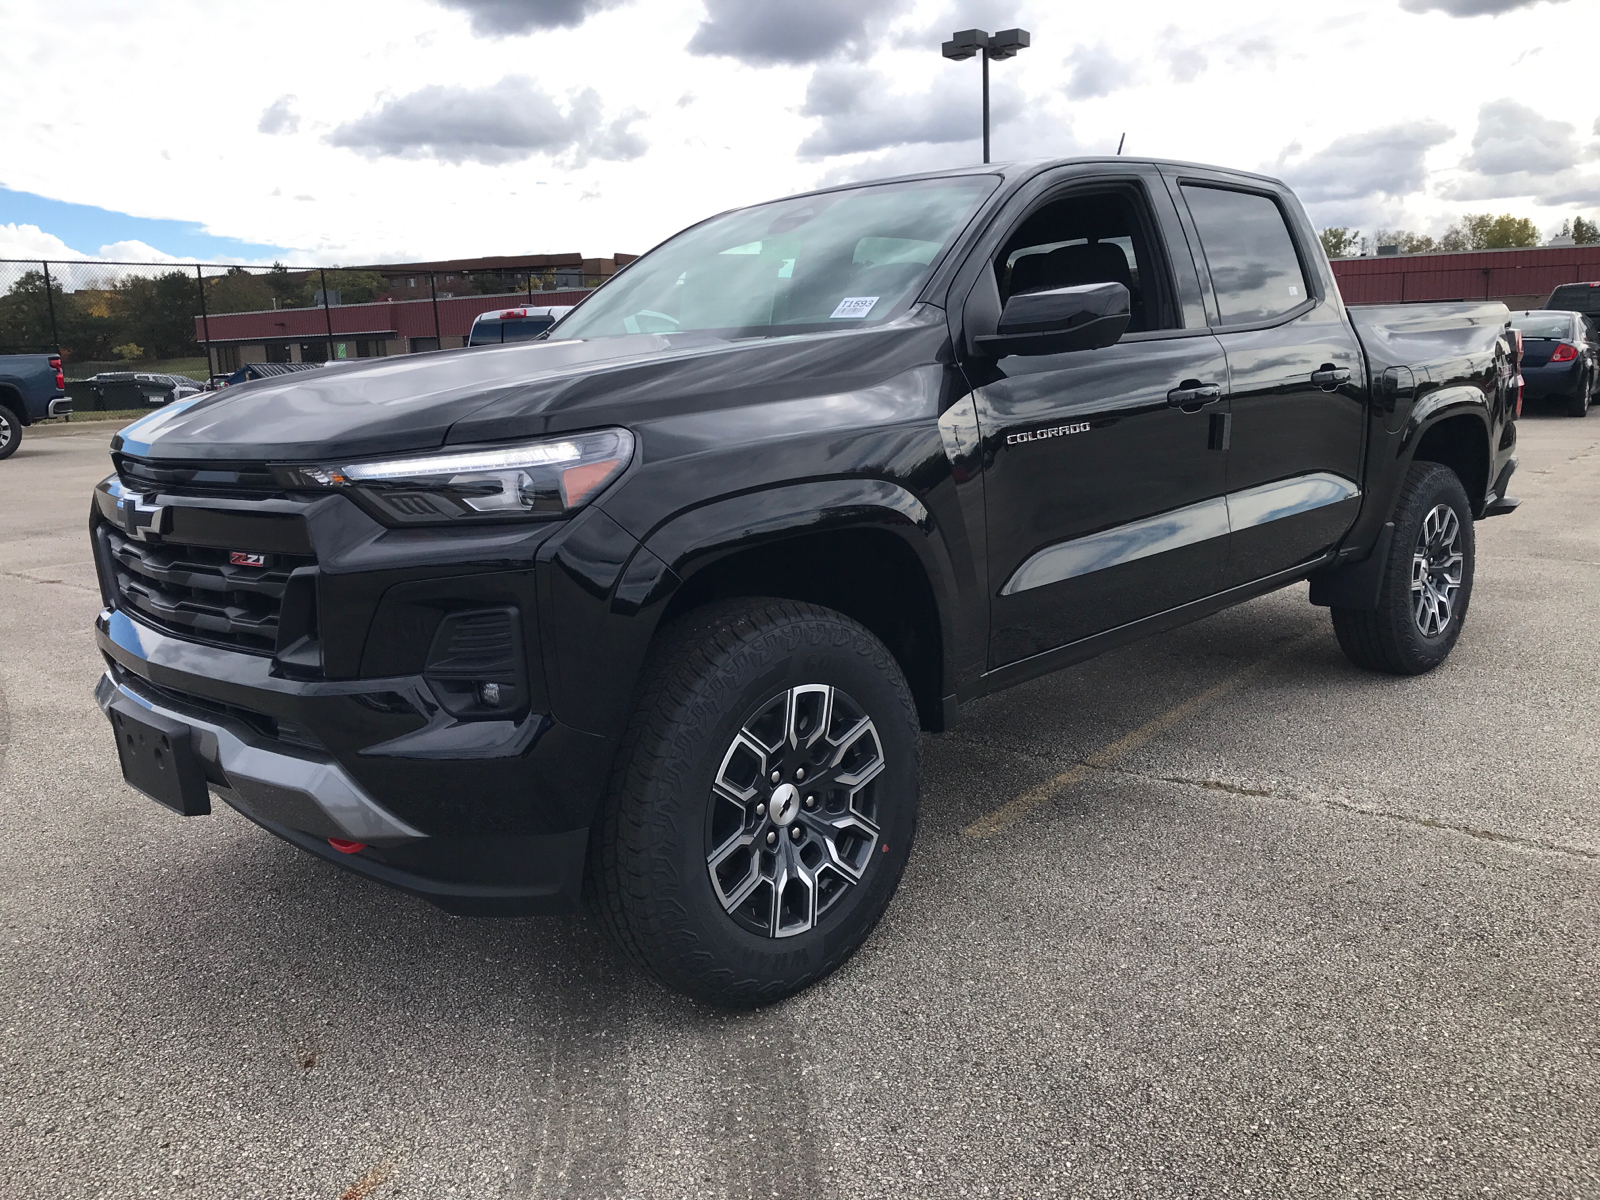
696	538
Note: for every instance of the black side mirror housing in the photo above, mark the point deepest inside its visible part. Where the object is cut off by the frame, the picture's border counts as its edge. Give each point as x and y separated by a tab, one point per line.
1086	317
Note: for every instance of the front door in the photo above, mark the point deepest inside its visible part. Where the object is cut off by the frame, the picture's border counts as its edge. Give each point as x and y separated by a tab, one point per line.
1104	469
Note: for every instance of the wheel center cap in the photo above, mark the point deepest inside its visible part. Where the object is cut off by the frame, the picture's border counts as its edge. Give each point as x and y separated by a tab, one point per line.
785	804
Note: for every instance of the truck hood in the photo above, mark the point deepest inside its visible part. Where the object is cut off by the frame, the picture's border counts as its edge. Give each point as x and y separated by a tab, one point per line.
423	401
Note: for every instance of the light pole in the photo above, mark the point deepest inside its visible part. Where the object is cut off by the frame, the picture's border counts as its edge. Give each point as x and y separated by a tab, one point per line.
971	42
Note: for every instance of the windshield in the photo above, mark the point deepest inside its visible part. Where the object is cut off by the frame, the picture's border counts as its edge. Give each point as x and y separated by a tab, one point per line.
837	260
1543	325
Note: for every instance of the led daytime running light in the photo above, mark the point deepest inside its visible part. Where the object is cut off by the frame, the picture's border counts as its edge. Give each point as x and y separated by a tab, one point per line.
542	454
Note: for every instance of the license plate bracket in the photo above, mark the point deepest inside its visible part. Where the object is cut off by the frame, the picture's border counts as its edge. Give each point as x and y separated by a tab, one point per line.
158	758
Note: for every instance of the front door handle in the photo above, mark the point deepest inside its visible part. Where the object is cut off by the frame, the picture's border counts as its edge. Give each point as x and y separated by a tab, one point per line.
1191	395
1329	376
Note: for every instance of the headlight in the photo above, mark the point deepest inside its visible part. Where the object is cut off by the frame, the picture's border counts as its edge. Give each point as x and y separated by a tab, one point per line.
549	478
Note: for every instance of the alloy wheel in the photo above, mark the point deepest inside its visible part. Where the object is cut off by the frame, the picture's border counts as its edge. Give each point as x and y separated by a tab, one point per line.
1437	566
793	821
5	431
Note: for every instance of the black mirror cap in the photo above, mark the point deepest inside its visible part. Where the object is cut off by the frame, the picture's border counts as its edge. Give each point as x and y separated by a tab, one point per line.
1086	317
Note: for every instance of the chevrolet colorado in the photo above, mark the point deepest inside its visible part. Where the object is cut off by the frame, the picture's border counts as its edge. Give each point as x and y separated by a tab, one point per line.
32	387
654	609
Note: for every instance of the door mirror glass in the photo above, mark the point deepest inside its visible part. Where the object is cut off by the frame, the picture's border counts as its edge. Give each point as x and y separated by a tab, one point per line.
1086	317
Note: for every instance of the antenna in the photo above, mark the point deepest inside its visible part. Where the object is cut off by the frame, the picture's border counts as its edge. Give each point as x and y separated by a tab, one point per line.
1120	140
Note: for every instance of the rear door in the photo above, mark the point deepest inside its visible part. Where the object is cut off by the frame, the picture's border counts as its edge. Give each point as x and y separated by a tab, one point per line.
1103	495
1295	376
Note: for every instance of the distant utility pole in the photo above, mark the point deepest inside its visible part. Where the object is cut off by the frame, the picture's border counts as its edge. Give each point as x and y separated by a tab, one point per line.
972	42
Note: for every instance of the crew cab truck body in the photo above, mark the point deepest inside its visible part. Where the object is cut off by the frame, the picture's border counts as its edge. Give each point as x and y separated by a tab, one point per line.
32	387
655	607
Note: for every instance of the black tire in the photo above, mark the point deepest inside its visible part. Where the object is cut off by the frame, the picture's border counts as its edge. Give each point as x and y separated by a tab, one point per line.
1578	406
10	432
710	679
1391	638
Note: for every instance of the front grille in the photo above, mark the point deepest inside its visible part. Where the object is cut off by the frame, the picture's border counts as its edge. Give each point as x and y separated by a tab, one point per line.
194	592
213	479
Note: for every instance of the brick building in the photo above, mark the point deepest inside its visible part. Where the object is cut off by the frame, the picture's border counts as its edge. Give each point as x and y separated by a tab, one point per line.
1519	278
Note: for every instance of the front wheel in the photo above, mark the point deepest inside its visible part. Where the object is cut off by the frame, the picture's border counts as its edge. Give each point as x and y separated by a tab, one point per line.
763	803
10	432
1427	581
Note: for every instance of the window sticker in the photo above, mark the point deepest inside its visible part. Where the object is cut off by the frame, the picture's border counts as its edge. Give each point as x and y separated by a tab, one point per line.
854	306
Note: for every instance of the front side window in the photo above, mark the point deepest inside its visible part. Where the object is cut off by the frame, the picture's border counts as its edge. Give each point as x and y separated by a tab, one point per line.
838	260
1090	238
1255	271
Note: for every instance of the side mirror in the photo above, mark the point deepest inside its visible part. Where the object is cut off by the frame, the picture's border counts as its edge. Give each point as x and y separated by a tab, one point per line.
1086	317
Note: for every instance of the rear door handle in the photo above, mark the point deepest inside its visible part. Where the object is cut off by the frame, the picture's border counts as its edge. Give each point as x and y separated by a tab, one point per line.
1191	395
1329	376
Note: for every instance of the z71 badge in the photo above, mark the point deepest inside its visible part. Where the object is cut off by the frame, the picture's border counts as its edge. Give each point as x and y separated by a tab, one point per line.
1038	435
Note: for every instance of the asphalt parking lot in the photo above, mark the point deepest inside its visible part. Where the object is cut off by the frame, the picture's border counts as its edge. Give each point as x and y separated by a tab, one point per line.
1216	915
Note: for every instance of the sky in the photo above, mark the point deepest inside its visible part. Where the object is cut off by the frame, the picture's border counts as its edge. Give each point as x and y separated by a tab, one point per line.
399	130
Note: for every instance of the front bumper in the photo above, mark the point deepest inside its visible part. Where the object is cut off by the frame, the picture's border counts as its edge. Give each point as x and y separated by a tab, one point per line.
469	816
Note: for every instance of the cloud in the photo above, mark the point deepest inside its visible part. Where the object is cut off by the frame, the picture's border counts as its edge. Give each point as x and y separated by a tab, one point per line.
1381	162
279	117
858	112
512	18
29	241
1186	63
504	122
1468	8
1096	71
1512	137
1518	152
794	32
1044	134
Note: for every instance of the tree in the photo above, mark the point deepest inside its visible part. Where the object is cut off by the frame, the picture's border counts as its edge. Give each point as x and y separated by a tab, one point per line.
1406	241
238	291
159	313
355	287
1340	241
25	313
1484	231
1585	233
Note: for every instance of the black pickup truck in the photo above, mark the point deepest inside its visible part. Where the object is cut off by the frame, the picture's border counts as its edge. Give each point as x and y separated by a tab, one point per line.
655	608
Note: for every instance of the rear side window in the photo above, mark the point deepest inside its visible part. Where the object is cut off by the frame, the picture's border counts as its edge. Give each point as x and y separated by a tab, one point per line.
1254	268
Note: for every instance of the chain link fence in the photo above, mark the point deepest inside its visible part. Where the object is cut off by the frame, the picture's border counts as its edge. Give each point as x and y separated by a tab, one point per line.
206	322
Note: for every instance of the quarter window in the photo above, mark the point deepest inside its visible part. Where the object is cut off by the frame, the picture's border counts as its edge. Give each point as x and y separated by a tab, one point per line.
1255	271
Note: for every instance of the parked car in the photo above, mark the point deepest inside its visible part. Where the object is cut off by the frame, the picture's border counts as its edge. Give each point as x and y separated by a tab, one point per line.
116	390
32	387
1576	297
514	324
660	615
1560	358
265	370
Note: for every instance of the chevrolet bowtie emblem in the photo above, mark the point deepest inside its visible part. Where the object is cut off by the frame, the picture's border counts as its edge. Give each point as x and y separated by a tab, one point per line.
139	519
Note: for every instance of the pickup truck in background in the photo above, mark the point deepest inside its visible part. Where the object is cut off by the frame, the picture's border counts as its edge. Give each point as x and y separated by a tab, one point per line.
655	608
32	387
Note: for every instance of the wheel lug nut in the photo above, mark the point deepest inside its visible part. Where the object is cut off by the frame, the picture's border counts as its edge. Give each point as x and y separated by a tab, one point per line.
811	801
799	774
794	833
772	837
776	776
761	810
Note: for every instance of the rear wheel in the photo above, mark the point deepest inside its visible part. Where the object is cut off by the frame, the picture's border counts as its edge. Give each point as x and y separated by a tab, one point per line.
763	804
1427	581
1578	405
10	432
